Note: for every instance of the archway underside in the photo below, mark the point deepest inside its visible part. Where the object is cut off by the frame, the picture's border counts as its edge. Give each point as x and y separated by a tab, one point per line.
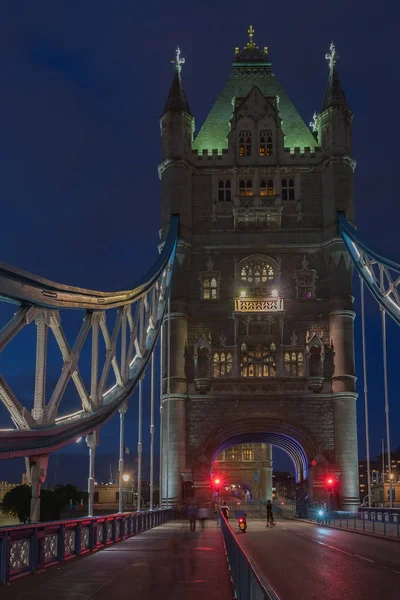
286	443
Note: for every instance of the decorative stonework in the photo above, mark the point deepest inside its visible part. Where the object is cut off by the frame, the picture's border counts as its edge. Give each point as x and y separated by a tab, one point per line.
255	305
69	541
50	547
85	537
305	279
19	555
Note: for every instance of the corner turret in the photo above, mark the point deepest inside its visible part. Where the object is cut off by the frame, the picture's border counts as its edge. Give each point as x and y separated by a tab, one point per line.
176	122
334	123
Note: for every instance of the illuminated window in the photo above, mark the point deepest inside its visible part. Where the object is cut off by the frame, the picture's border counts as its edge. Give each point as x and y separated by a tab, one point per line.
294	363
305	285
210	288
222	364
267	188
245	187
266	143
256	275
288	189
233	453
245	143
258	360
247	454
224	191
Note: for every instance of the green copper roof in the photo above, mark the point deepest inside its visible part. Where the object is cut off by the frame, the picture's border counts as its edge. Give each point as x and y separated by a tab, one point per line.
214	132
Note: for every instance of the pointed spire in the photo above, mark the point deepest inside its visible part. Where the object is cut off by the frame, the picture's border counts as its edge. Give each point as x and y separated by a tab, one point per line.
177	101
334	95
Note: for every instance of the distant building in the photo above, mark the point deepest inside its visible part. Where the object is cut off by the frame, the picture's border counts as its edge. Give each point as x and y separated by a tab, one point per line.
380	495
284	486
6	487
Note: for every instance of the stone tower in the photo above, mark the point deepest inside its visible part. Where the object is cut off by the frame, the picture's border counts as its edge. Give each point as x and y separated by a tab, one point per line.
261	308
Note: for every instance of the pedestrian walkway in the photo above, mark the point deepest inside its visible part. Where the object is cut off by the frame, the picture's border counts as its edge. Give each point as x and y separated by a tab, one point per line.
166	562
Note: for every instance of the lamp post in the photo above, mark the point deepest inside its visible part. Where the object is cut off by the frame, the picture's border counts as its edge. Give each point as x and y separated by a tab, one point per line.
125	477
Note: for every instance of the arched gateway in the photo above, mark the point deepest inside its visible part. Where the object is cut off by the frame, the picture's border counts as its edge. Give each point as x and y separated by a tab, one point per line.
261	315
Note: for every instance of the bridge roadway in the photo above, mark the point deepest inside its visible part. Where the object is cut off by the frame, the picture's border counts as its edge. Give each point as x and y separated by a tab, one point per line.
311	562
166	562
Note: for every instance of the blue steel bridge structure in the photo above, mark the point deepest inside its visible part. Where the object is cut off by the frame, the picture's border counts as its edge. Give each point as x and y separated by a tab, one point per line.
130	321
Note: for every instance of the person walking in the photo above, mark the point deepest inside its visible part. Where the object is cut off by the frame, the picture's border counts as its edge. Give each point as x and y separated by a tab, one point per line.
225	511
270	516
203	515
192	515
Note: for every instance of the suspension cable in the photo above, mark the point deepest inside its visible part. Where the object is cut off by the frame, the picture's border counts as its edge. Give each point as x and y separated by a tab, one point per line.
152	431
161	416
365	390
168	391
385	381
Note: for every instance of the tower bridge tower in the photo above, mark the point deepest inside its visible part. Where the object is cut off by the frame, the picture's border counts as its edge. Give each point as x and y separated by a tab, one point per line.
261	308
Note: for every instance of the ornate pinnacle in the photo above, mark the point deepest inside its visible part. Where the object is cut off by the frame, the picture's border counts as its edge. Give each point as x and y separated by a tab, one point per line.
314	122
178	61
332	56
251	35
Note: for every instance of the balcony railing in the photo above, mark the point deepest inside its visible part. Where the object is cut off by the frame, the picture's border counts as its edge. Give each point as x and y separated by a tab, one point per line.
258	305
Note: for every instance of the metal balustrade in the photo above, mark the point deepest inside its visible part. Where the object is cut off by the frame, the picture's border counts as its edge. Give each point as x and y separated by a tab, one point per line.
246	581
379	521
27	549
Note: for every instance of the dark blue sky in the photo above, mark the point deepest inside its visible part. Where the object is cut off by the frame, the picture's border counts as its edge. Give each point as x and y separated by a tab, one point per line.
82	87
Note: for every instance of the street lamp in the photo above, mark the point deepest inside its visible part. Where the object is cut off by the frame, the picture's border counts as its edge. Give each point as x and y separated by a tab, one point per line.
125	477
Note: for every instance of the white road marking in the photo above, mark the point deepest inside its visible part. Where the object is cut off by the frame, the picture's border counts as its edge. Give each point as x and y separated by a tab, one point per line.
364	558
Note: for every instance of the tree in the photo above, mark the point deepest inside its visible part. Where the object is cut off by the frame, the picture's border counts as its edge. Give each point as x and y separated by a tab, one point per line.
17	502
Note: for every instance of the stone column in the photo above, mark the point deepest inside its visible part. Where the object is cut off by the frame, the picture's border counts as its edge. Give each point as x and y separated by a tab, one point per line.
344	407
38	471
266	453
175	457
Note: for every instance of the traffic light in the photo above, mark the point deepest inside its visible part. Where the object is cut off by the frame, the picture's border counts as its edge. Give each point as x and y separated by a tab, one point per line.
330	484
217	485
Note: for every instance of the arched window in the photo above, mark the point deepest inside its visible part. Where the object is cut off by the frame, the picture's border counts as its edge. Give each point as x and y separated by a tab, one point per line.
222	364
256	275
288	189
245	143
245	187
266	148
267	187
210	288
294	363
258	360
224	191
305	285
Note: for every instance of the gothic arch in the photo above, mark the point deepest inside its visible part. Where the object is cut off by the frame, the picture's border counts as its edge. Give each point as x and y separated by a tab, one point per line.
292	439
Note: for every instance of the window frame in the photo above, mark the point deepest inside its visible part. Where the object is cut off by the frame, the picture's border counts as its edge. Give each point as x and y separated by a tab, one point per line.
224	190
260	358
220	364
245	187
245	143
292	365
288	189
266	145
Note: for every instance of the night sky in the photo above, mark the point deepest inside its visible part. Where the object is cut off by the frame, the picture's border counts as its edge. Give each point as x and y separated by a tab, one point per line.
82	87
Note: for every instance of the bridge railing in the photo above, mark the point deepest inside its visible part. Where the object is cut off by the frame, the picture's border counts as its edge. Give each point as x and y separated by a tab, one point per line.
377	521
246	581
27	549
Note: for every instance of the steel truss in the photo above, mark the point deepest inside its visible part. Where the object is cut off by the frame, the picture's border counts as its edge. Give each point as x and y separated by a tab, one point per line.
129	346
381	275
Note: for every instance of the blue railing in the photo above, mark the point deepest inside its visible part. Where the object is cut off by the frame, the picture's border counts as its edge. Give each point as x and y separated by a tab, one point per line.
26	549
378	521
247	583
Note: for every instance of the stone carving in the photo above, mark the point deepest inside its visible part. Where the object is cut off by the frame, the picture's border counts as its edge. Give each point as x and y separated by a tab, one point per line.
293	339
222	339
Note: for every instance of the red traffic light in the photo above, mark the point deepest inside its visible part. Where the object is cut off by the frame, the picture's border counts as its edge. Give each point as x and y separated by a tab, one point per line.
329	481
217	481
